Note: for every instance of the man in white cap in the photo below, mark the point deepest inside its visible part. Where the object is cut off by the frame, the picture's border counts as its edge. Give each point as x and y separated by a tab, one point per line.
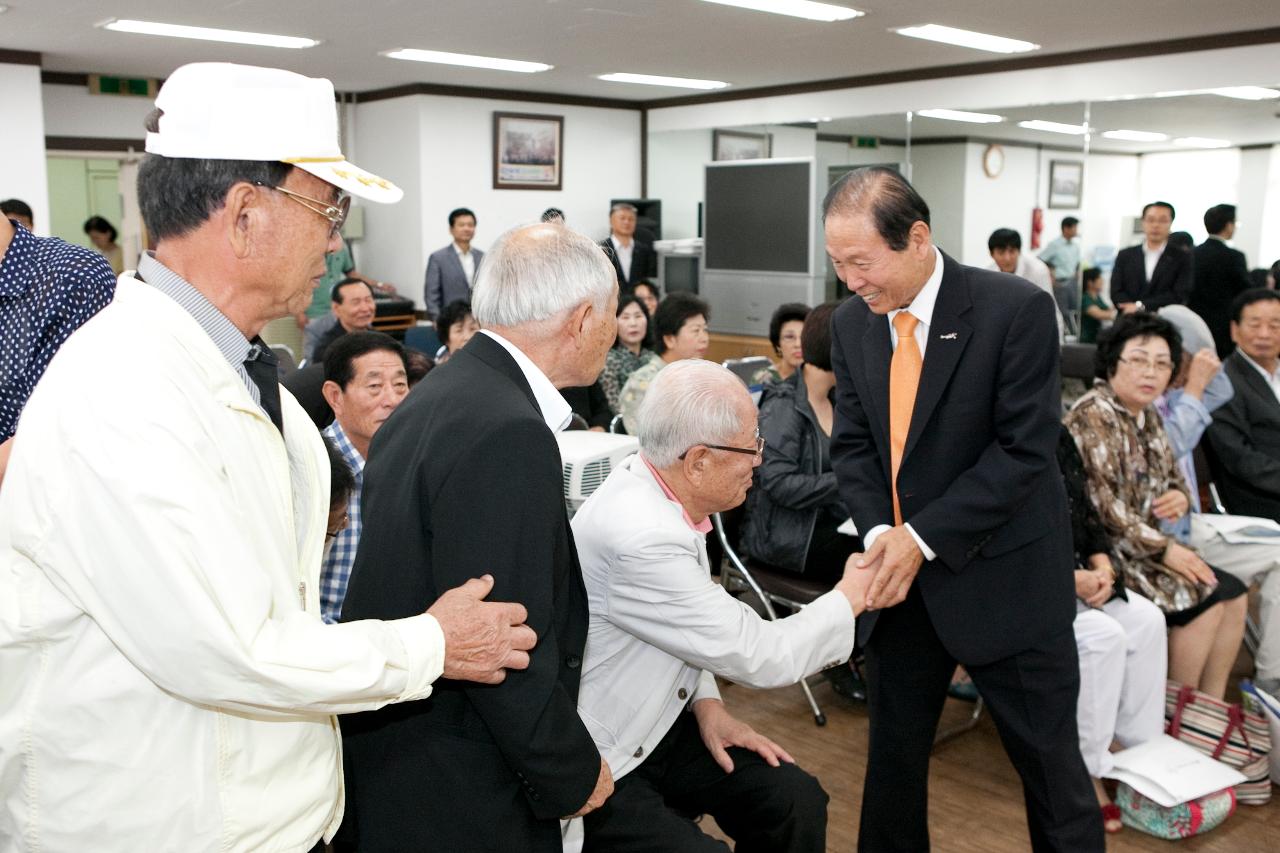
167	681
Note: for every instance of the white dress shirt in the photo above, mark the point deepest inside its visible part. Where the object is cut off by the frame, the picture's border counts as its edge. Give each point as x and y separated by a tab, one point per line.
468	260
1272	379
555	410
1151	257
1037	272
922	309
623	253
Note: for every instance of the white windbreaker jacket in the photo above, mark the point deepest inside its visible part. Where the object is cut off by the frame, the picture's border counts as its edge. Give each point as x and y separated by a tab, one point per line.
166	682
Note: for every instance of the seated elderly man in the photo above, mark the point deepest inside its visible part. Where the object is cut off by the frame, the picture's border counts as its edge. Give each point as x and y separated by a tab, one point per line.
661	630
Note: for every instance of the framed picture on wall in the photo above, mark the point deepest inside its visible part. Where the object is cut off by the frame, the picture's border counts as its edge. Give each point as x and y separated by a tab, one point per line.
1066	180
528	151
736	145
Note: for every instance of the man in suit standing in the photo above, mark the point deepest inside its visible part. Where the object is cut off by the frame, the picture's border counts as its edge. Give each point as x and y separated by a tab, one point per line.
632	259
1154	274
1221	275
466	473
947	407
451	271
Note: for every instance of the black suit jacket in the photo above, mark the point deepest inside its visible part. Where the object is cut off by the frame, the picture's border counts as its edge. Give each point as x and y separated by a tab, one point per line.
979	480
1244	444
1220	275
464	478
644	263
1170	282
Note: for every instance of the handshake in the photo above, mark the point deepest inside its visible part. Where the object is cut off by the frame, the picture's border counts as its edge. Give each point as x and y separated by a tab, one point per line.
881	576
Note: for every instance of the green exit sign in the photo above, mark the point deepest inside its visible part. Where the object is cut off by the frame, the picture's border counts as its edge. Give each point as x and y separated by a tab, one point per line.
140	87
866	142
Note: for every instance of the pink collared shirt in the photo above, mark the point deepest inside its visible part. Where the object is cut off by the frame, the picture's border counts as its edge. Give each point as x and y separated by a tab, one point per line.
703	527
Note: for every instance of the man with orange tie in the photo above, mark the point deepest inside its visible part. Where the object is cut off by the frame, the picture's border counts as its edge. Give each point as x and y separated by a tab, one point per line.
947	408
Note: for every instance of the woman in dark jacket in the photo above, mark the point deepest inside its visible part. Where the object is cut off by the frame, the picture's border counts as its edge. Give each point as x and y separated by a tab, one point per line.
794	507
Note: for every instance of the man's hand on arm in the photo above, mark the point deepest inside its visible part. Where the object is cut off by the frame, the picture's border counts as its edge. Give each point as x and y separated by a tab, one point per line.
482	639
895	558
602	792
721	730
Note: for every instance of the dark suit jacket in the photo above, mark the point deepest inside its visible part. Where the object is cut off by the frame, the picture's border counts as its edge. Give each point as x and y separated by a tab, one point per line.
644	263
446	280
979	480
1170	282
464	478
1220	275
1244	444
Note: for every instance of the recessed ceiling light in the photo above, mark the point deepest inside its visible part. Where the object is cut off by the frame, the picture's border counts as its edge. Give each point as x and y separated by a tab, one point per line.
818	119
796	9
1246	93
1136	135
151	28
1053	127
967	38
1202	142
961	115
468	60
652	80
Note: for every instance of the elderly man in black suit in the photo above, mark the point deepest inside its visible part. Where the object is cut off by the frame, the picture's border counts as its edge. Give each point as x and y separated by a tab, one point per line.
464	478
1155	273
947	407
1221	274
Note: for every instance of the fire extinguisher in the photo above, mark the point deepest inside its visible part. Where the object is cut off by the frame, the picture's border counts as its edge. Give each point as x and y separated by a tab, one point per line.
1037	225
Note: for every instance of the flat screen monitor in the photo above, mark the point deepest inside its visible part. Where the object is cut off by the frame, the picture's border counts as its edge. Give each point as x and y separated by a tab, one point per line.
680	272
759	216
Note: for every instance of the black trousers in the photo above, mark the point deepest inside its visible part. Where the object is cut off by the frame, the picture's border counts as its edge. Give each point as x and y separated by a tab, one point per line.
764	809
1032	698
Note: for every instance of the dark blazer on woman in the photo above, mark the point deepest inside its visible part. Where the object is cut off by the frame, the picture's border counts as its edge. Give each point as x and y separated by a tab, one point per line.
464	479
791	489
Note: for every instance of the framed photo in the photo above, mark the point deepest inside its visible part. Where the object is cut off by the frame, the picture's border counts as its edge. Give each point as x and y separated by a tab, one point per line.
736	145
1066	180
528	151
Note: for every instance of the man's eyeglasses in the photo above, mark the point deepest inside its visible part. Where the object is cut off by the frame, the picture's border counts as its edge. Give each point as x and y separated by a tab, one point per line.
1143	365
756	451
336	212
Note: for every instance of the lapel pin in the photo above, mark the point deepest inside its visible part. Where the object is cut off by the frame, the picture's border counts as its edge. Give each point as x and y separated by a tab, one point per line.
949	336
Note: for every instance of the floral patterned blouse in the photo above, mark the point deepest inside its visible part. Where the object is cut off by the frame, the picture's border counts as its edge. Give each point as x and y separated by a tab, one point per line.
1129	463
619	364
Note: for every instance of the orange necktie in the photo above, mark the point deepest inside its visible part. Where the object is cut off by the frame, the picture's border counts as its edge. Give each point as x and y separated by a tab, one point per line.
904	376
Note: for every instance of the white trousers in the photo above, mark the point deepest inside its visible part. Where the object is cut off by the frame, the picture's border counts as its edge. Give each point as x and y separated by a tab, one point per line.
1124	661
1249	559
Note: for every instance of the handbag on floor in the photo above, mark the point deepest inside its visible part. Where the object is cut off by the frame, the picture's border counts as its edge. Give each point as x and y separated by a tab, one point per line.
1225	732
1194	817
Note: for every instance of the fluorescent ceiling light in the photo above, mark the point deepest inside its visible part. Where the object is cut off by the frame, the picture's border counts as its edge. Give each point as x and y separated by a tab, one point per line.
1202	142
961	115
466	59
1053	127
1135	135
652	80
796	9
1246	93
967	38
818	119
151	28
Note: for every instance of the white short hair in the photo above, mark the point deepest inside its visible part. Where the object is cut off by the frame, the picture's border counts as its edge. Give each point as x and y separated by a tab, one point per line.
534	272
689	402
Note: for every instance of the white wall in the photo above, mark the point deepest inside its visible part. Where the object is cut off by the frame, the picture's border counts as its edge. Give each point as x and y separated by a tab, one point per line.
1265	225
676	174
1192	181
450	141
938	173
22	168
73	111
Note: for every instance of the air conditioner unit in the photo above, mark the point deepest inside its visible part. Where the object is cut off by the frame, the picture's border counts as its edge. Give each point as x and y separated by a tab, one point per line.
587	459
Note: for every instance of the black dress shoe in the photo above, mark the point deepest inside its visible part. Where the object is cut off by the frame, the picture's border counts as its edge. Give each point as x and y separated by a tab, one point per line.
846	683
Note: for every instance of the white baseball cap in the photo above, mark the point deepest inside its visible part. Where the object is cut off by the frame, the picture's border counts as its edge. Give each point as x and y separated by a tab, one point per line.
222	111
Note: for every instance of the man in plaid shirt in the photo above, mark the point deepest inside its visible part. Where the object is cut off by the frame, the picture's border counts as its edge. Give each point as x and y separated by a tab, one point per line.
365	379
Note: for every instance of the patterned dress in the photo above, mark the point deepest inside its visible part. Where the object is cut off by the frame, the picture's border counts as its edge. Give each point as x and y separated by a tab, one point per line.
1129	463
619	364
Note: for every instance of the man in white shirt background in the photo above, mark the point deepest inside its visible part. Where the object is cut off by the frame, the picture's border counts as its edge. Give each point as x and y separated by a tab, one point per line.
633	260
1005	246
451	271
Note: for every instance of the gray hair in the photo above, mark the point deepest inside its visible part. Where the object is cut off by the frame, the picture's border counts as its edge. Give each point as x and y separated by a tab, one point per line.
689	402
622	205
534	272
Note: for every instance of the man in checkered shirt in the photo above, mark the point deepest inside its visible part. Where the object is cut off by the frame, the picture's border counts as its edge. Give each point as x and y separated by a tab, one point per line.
365	379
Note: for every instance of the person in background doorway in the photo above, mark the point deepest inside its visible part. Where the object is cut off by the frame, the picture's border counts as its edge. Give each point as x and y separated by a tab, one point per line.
1094	308
103	236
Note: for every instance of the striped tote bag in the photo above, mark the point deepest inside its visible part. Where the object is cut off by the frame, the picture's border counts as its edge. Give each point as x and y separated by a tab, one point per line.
1225	732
